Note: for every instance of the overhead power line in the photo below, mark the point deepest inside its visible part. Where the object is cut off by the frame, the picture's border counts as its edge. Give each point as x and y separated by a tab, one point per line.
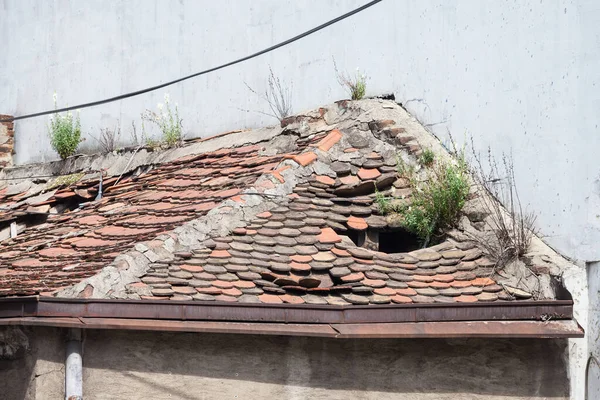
162	85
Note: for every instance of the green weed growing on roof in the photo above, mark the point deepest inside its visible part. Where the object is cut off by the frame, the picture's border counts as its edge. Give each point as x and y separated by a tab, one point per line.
65	132
65	180
389	204
383	202
356	85
436	201
427	157
404	169
168	121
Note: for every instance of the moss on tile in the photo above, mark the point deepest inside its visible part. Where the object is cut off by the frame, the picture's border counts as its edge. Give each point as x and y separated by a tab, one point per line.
65	180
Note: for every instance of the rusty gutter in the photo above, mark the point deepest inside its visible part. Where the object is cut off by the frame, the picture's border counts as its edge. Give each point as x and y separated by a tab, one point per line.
35	306
303	319
408	330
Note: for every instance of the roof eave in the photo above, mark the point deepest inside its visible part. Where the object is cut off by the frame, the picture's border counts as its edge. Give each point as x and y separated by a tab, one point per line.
540	319
404	330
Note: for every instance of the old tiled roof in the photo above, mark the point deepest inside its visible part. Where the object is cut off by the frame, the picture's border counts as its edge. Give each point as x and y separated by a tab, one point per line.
72	246
296	252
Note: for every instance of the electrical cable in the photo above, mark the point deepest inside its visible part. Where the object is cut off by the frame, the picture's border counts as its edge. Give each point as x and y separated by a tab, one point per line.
162	85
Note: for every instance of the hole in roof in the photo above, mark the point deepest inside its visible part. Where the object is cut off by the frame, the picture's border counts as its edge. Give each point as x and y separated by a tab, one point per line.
35	218
398	241
355	236
385	240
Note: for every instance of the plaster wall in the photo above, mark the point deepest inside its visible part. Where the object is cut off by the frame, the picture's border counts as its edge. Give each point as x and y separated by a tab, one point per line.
146	365
202	366
35	370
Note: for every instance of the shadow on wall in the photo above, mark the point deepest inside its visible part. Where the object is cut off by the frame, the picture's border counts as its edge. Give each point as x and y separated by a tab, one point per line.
211	366
31	358
15	375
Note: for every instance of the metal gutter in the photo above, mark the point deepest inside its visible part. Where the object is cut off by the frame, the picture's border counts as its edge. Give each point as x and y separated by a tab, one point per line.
393	320
35	306
424	330
470	329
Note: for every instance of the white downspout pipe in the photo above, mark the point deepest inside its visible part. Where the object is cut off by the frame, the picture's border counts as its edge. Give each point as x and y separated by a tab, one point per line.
74	366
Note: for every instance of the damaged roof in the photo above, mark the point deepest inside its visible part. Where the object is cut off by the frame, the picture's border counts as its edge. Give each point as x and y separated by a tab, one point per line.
71	246
259	217
296	254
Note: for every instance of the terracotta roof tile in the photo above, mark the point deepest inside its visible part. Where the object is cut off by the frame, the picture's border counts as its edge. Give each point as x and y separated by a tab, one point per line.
328	141
368	173
357	223
305	158
149	205
466	299
324	179
93	243
328	235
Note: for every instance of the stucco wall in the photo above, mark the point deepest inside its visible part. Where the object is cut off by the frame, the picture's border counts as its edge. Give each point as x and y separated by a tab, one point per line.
144	365
195	366
36	369
520	76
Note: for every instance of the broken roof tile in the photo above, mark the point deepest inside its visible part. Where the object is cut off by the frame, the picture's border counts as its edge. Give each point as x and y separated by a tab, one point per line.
328	235
368	173
330	140
305	158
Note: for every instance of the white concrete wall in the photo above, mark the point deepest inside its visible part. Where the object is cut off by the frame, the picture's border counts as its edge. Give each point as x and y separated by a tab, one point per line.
519	76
